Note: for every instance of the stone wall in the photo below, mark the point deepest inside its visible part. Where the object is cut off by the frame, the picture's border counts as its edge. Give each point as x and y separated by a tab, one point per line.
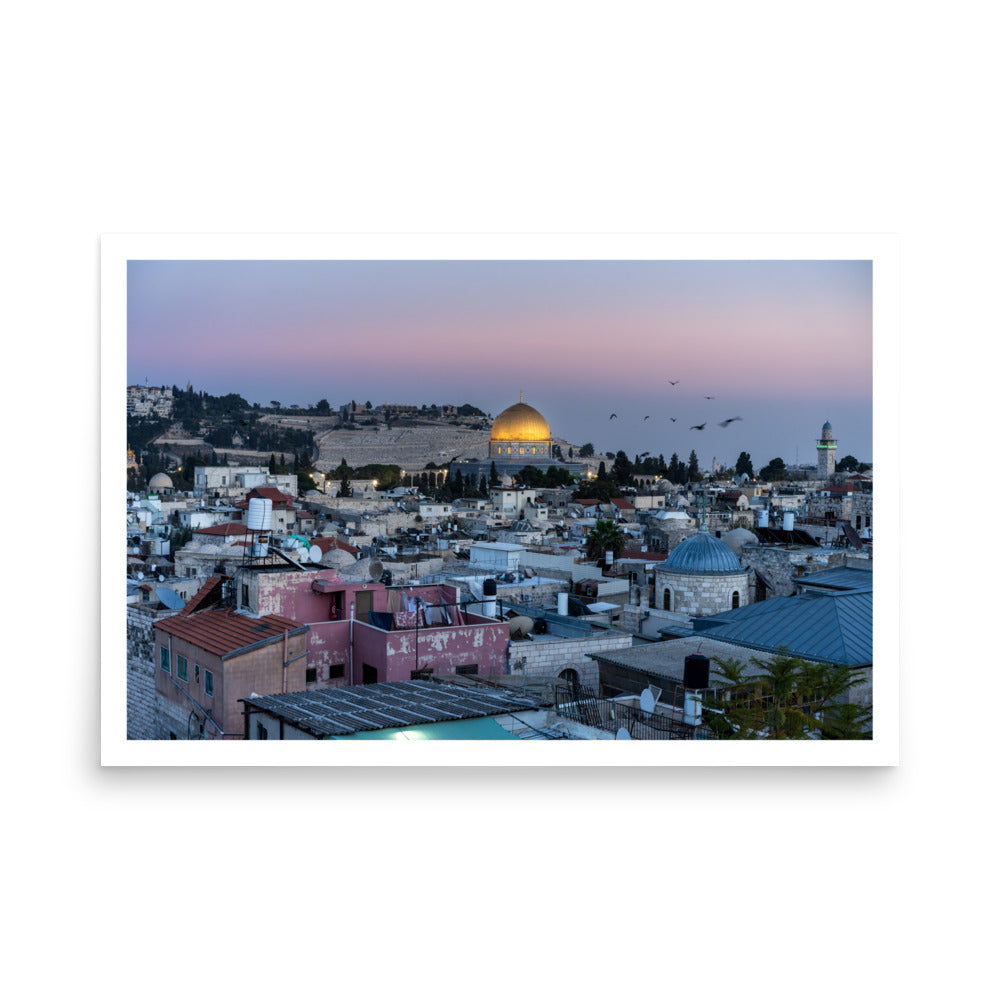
701	595
141	702
782	565
549	657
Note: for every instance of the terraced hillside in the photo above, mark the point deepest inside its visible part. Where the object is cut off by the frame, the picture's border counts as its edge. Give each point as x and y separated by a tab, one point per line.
410	447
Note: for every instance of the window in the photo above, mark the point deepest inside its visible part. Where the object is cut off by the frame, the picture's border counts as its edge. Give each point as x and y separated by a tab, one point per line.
666	599
310	675
736	598
336	670
468	668
209	682
197	673
182	667
261	731
165	659
245	596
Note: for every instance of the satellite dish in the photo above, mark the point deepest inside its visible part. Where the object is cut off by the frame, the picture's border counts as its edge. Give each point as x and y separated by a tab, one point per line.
375	569
647	702
302	554
315	553
170	598
622	734
161	578
139	575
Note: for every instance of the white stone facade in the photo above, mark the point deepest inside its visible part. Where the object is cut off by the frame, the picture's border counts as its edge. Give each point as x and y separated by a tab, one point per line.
699	595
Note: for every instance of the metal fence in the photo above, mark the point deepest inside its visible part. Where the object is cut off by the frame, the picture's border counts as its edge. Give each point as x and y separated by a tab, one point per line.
584	706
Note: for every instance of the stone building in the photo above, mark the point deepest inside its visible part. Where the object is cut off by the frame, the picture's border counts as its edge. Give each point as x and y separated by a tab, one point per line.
826	453
702	576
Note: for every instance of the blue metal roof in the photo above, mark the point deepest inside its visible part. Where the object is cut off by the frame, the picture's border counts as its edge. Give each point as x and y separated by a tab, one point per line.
702	554
838	578
830	628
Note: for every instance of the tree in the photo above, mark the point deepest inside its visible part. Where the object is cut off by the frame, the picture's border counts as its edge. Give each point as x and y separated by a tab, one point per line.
847	464
674	470
693	472
605	536
587	450
744	465
622	469
275	404
494	475
775	469
785	698
323	406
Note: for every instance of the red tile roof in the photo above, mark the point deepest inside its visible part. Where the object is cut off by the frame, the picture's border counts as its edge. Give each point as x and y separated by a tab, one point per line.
646	556
277	498
622	504
222	631
226	528
210	593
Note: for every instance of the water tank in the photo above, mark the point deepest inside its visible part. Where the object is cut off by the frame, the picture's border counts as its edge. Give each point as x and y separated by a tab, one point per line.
788	521
762	518
489	588
259	514
563	603
696	671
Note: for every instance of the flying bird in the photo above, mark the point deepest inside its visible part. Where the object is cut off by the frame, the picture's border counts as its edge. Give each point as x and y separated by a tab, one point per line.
710	397
726	423
672	381
673	420
612	417
697	427
646	417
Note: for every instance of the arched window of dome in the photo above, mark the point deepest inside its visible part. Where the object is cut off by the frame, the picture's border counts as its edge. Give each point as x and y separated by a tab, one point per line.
666	598
736	599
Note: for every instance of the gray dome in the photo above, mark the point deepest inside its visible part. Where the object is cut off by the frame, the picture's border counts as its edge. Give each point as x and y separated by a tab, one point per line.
161	481
827	426
702	554
737	538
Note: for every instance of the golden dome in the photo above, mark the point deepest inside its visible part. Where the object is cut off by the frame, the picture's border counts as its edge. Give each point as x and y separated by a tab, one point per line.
520	422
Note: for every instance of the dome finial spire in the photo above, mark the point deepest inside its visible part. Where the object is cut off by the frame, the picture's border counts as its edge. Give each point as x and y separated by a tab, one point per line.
522	395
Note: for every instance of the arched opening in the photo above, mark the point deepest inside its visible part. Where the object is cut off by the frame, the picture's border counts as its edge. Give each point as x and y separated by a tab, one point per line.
666	599
736	598
571	677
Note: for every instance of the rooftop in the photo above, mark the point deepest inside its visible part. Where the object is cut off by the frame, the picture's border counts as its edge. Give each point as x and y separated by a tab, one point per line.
343	711
223	632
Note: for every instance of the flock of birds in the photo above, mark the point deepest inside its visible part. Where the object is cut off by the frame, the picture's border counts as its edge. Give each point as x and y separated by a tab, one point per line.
693	427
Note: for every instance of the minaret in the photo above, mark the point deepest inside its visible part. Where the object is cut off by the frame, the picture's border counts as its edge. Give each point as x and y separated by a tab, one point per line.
826	453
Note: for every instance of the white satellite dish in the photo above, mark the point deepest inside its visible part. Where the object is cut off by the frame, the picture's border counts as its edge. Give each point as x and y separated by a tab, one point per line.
647	702
139	575
622	734
161	578
315	553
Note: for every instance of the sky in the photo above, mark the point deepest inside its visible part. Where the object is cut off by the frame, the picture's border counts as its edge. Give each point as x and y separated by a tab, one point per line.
783	345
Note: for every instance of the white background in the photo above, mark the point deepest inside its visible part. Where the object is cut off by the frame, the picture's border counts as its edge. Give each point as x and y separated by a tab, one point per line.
523	118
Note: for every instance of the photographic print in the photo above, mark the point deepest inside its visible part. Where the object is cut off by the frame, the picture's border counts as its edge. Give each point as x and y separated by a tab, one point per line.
501	506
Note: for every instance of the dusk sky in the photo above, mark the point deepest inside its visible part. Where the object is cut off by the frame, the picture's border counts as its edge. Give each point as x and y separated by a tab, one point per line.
785	345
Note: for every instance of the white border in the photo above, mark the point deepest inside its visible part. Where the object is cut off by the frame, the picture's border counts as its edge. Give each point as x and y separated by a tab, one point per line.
117	250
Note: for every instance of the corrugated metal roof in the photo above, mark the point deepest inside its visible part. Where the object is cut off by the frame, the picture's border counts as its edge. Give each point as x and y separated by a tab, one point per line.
830	628
223	632
838	578
326	712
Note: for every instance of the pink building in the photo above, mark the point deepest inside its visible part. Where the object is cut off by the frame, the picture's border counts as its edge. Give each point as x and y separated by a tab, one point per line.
366	633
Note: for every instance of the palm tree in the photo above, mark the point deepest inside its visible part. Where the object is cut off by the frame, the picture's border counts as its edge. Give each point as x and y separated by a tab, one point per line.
604	536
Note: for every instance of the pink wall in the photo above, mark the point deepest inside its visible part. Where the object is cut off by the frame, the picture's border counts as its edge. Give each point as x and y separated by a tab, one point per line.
394	654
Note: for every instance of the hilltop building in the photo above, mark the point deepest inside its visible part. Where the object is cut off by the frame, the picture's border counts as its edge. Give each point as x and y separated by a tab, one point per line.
520	436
